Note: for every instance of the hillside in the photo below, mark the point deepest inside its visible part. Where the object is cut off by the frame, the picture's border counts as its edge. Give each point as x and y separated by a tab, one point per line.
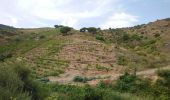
84	55
87	57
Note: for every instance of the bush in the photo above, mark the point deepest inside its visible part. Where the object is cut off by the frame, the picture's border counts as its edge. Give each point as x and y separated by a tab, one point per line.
156	35
121	60
105	85
80	79
126	83
42	37
58	26
133	84
64	30
92	94
83	29
161	88
136	37
99	37
16	83
69	92
165	74
10	84
126	37
92	30
5	56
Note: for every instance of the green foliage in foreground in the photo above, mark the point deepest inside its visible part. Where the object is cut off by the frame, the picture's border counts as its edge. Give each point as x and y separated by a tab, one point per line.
68	92
131	83
159	90
16	84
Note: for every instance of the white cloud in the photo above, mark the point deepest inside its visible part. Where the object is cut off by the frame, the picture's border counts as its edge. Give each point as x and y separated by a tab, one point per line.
14	21
119	20
61	9
69	22
31	13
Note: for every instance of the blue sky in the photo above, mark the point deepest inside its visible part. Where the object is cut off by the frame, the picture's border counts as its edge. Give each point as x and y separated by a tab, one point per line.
82	13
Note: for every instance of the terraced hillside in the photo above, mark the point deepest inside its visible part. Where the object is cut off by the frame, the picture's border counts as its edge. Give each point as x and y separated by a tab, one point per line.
49	54
102	56
124	64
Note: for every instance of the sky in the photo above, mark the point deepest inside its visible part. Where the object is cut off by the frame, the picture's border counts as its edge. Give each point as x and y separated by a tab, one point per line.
82	13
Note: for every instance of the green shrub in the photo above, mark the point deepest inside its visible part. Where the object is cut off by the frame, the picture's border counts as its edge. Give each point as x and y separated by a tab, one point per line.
161	89
126	82
58	26
136	37
99	37
18	84
64	30
80	79
99	67
133	84
121	60
5	56
83	79
104	85
69	92
92	94
126	37
83	29
165	74
157	35
10	84
92	30
42	37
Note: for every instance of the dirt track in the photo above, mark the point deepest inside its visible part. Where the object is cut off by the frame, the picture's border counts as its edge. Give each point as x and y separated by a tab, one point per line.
69	75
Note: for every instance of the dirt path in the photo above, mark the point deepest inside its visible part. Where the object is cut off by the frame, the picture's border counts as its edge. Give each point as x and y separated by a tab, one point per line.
67	78
151	71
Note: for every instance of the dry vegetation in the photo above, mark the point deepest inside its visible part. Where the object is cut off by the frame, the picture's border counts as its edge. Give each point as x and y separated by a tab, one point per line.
92	56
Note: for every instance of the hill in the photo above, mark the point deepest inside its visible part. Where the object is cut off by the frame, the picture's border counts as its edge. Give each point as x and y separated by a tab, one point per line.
79	58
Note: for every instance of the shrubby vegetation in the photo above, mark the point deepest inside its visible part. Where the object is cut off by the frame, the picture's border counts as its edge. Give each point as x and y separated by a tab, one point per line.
7	30
58	26
100	37
159	90
5	56
84	29
139	26
68	92
63	29
167	19
16	84
121	60
157	35
80	79
122	38
92	30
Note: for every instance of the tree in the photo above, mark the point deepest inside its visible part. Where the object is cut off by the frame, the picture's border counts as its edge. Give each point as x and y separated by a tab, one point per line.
92	30
64	30
58	26
84	29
